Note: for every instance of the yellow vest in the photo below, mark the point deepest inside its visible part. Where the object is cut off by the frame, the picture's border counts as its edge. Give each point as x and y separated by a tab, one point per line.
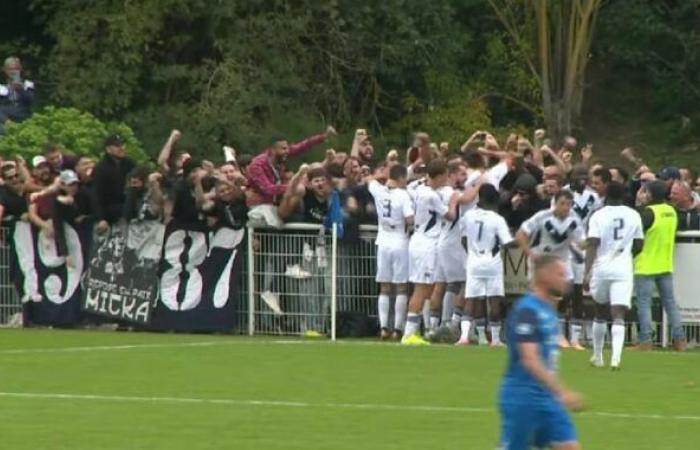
659	242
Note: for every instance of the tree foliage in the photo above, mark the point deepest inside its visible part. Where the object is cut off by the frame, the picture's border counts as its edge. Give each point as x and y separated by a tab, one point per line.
78	132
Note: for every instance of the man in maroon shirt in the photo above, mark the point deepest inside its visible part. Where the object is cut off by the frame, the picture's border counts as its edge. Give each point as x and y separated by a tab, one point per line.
267	174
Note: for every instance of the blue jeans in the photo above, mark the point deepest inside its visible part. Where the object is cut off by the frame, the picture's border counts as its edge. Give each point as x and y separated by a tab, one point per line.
644	285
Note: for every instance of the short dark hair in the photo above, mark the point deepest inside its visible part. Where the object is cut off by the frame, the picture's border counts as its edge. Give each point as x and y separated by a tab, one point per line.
603	174
474	159
543	261
454	167
397	172
51	148
140	172
275	139
623	173
615	192
488	195
317	172
658	190
244	160
436	168
335	170
564	193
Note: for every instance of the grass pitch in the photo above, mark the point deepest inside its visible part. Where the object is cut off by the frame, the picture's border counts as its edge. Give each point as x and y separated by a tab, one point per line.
102	390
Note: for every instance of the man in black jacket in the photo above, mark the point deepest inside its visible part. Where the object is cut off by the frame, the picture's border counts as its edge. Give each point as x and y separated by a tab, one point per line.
110	182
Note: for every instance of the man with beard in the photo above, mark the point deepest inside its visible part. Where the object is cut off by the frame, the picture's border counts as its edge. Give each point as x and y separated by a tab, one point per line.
267	179
109	182
42	175
142	195
228	208
362	149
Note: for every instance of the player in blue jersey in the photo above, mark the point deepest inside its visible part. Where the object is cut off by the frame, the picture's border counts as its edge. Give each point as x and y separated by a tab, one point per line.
533	401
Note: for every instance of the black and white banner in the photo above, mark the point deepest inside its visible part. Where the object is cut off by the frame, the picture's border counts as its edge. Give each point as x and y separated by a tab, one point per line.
122	278
48	284
199	280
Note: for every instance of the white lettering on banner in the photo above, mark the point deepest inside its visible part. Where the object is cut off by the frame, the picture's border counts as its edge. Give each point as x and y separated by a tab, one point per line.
685	281
53	284
229	239
117	305
174	249
515	271
226	238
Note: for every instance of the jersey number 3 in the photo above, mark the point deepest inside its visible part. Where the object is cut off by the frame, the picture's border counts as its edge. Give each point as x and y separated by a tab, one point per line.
386	206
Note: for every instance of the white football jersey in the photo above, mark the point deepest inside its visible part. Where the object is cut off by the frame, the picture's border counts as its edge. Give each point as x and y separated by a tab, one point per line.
449	229
550	234
497	173
393	207
413	187
616	227
486	232
472	178
585	203
429	212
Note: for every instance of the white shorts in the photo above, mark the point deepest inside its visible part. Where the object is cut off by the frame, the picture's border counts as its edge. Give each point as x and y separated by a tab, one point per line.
615	292
392	264
421	265
451	265
578	269
484	287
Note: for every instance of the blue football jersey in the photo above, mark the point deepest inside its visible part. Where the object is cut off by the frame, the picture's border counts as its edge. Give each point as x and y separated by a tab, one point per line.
530	320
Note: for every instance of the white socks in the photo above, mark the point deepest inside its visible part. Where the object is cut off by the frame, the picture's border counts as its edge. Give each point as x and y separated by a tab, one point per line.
412	324
575	330
426	312
618	341
400	308
447	307
434	322
383	306
495	333
599	331
481	333
465	326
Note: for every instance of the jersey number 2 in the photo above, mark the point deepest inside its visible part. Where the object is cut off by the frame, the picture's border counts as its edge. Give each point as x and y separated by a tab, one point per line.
617	231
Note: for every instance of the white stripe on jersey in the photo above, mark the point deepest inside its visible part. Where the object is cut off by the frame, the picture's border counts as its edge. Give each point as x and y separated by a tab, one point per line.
585	203
393	207
550	234
486	232
616	227
429	211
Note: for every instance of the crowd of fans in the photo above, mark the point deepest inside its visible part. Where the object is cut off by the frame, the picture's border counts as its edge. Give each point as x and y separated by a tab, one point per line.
59	187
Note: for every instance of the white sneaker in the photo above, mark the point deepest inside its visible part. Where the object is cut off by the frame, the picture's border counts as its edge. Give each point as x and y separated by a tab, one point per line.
272	301
294	271
597	362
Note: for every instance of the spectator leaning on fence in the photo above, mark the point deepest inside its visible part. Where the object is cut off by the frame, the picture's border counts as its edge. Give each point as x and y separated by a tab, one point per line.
688	209
16	95
654	265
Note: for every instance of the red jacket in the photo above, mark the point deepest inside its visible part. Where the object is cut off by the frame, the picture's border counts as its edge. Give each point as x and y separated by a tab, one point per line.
266	187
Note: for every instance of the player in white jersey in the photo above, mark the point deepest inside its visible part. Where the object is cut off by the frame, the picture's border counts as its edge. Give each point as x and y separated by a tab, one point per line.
485	232
555	231
422	248
586	201
394	214
451	257
615	236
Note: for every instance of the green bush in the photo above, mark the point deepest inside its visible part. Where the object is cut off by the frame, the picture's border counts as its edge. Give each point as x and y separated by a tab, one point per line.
76	131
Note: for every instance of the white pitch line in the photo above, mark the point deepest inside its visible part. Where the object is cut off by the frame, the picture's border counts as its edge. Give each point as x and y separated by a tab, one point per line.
294	404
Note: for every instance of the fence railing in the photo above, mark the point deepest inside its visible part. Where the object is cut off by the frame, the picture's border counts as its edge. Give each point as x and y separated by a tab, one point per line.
299	280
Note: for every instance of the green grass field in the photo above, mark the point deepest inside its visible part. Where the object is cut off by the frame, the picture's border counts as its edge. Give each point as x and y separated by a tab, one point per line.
104	390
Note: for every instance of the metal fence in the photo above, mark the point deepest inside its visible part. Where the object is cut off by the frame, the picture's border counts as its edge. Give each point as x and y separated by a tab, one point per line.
300	280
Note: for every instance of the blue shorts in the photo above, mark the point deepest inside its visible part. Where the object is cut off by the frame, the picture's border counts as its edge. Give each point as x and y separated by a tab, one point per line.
540	424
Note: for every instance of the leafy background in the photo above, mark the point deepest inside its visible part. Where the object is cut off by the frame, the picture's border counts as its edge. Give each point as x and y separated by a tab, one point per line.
241	72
